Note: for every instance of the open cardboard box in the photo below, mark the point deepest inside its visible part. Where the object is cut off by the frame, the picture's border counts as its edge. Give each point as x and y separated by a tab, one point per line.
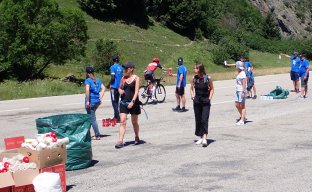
43	158
46	157
22	180
6	181
47	160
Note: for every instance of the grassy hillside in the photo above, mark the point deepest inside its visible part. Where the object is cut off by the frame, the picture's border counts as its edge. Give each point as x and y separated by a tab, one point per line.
141	45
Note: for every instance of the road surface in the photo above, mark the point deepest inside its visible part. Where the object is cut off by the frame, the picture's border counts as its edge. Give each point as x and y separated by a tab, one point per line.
271	153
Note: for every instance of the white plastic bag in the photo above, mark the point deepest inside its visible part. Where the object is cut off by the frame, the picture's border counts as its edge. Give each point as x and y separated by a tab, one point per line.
47	182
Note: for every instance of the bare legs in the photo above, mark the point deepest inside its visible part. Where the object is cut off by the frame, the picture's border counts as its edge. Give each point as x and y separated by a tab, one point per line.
241	109
181	98
296	86
122	128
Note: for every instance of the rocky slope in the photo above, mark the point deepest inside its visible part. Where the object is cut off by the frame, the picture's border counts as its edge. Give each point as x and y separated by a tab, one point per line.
293	17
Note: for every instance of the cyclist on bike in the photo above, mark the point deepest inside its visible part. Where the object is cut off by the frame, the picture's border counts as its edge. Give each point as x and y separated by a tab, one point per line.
149	74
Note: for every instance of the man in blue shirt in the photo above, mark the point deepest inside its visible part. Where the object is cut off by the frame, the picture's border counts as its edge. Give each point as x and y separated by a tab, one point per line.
250	78
116	72
180	86
294	69
304	75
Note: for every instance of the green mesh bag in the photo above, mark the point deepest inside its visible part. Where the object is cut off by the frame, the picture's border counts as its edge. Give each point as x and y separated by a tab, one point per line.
279	93
77	128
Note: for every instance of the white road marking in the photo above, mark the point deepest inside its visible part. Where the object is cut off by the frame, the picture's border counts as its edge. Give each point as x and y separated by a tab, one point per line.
9	110
263	83
217	103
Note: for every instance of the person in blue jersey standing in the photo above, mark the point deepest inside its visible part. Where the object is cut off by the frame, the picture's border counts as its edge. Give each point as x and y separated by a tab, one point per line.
180	86
294	69
116	72
94	91
250	78
304	75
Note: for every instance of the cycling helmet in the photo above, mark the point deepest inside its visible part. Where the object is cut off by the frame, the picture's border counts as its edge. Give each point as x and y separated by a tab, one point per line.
156	60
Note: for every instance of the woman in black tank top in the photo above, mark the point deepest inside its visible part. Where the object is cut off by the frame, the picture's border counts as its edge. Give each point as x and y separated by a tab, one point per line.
129	89
201	91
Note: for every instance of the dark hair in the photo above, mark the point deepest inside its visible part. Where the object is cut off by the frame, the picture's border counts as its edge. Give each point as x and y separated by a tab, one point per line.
115	58
201	69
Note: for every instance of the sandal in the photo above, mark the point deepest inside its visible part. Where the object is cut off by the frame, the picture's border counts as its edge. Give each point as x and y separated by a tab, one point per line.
119	145
96	138
136	141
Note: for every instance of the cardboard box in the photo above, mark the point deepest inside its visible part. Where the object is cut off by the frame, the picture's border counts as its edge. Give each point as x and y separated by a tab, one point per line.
20	181
13	142
60	169
6	181
46	157
23	180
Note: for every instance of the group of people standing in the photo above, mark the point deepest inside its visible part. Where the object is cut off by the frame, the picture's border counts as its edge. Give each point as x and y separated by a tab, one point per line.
124	90
124	96
299	69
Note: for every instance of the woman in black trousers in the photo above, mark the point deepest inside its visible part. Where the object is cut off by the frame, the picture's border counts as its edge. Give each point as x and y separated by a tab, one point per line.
201	91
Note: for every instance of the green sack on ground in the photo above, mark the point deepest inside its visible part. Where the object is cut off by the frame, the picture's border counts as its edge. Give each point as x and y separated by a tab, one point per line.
77	128
279	93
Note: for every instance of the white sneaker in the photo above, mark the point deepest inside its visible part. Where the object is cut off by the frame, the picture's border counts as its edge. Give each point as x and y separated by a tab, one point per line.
205	144
199	141
240	123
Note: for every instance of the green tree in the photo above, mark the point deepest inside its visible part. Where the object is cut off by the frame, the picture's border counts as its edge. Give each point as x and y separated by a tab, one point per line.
35	34
99	8
102	54
130	11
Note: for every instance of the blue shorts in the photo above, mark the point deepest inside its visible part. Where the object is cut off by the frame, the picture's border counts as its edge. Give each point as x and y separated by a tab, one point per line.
239	98
180	91
294	76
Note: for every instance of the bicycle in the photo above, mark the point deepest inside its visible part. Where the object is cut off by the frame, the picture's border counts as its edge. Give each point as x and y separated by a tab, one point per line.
145	91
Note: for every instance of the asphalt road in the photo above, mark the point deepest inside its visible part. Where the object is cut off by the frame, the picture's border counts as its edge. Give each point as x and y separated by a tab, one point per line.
272	152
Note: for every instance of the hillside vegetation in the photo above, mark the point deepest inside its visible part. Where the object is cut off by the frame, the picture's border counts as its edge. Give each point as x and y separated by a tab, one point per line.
232	32
140	45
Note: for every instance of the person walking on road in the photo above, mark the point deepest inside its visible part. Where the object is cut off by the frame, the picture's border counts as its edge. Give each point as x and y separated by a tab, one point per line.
304	75
94	91
180	86
294	69
202	91
240	95
128	89
116	72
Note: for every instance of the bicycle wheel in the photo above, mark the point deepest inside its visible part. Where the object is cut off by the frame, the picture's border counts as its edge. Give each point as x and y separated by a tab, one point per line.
143	96
160	93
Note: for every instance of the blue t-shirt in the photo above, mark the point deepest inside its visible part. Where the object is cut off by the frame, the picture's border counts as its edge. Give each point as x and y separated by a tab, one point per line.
116	70
294	64
95	88
181	70
303	67
248	67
